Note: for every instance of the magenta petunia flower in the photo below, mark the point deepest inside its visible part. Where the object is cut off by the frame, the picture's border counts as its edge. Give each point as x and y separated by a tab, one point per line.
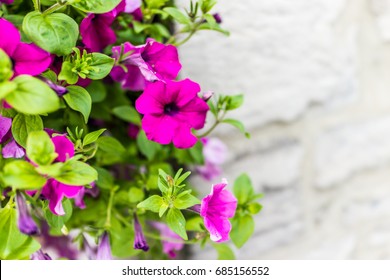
96	31
63	147
40	256
7	2
104	249
216	209
175	242
147	63
139	238
171	110
79	199
5	128
27	58
26	223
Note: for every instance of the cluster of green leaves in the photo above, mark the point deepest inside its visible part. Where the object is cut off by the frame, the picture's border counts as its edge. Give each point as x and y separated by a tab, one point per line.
20	174
221	105
174	198
25	93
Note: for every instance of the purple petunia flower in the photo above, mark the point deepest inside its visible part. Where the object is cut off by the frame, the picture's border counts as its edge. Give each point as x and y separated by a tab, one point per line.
139	239
104	249
216	209
26	223
27	58
5	128
214	152
40	256
13	150
171	110
169	247
7	2
147	63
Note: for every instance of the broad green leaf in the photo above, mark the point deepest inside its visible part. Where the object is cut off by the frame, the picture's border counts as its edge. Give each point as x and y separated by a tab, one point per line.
147	148
32	96
56	221
110	150
22	175
127	113
77	173
122	240
94	6
242	229
177	15
254	208
235	101
79	100
22	125
239	125
243	189
52	170
6	88
67	74
102	65
40	149
224	251
195	224
105	179
5	68
136	194
152	203
177	222
56	33
163	209
13	244
185	201
92	136
196	153
155	4
97	90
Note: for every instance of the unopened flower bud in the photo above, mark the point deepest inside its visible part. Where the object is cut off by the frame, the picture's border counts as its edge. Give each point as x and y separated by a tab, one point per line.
207	95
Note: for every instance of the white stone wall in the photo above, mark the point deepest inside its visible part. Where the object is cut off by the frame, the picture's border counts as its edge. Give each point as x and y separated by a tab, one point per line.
316	78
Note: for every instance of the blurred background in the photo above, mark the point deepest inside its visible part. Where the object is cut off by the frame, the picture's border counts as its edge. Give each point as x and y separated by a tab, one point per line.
316	79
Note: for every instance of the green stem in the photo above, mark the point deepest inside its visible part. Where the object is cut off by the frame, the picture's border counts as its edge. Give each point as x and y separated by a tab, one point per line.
172	240
54	8
107	224
217	122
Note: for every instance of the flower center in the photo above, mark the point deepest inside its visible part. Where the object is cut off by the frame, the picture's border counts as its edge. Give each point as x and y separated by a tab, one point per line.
171	109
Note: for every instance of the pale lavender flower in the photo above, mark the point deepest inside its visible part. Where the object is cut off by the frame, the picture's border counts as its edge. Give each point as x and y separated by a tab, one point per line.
26	223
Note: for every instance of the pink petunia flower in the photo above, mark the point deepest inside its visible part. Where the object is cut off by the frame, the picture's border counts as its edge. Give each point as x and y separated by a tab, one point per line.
171	110
214	152
216	209
95	29
27	58
146	63
169	247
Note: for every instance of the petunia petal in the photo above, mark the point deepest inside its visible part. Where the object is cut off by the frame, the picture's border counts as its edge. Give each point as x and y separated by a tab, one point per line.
10	37
30	59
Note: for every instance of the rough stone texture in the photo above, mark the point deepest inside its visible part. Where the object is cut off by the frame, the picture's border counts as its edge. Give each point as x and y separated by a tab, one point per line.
316	80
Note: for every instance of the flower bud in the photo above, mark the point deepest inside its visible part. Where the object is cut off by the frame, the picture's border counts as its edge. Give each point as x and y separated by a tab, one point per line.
25	223
139	240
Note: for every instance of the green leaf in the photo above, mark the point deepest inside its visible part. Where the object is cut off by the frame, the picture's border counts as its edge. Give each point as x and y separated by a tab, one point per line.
79	100
50	170
105	179
254	208
77	173
243	189
122	239
177	222
110	150
152	203
22	175
234	102
55	221
13	244
6	88
40	149
22	125
146	147
185	201
177	15
97	90
207	26
102	65
67	74
163	209
155	4
127	113
182	178
239	125
195	224
135	194
94	6
242	229
92	136
5	68
56	33
32	96
224	251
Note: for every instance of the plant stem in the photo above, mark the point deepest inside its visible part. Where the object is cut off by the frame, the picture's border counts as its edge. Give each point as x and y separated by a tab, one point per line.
107	224
217	122
54	8
172	240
